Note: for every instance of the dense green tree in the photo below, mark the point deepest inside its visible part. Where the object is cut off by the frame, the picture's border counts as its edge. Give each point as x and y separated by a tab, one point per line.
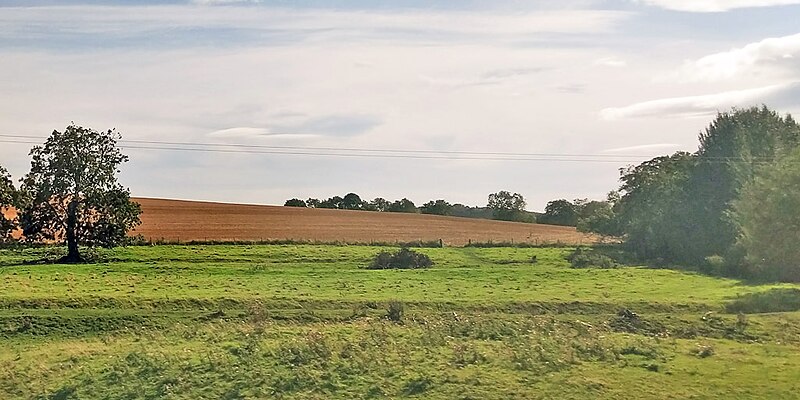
732	150
352	201
295	203
559	212
71	192
333	202
8	198
652	209
507	206
377	204
402	206
678	208
601	216
437	207
313	203
768	215
460	210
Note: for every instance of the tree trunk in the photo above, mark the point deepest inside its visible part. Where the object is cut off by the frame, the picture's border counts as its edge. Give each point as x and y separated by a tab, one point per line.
73	256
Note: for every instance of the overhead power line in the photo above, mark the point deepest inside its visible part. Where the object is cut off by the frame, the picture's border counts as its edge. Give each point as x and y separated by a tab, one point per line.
354	152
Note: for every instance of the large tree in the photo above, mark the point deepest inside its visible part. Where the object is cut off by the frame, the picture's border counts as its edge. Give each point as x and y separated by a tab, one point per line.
352	201
506	206
768	215
652	211
732	150
71	192
559	212
8	197
438	207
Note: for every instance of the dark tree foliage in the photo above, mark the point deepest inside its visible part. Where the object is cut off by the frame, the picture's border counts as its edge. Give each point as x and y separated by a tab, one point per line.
402	259
506	206
402	206
601	216
437	207
8	199
352	201
732	150
333	202
295	203
377	204
560	212
679	208
460	210
768	215
71	192
652	210
313	203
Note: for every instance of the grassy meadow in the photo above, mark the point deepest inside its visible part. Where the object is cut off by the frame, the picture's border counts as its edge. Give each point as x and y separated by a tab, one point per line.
308	322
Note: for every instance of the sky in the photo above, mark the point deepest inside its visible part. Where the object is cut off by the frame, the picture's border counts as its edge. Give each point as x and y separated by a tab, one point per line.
419	99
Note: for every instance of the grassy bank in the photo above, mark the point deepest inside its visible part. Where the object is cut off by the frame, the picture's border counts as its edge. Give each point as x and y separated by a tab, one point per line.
305	321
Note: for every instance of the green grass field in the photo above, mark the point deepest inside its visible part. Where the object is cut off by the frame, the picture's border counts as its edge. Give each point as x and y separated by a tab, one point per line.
308	322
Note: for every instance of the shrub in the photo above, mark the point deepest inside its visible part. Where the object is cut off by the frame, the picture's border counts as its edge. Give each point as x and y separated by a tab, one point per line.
773	300
587	258
395	311
402	259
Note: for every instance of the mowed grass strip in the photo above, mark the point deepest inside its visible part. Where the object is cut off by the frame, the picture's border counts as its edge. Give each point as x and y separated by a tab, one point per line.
465	276
308	322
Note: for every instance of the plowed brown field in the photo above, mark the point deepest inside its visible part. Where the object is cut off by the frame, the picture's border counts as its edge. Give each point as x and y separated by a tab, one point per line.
178	220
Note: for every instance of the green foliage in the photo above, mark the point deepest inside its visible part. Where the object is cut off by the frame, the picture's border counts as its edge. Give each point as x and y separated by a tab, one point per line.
601	217
378	204
652	209
402	206
768	215
334	202
584	257
71	192
678	208
438	207
402	259
508	207
352	201
278	322
774	300
8	198
295	203
395	311
559	212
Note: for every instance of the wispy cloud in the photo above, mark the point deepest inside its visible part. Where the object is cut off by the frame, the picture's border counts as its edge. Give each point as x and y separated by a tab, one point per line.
766	57
265	24
646	148
714	5
224	2
783	95
611	62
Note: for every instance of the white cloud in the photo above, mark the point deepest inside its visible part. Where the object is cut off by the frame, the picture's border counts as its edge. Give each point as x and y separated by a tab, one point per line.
714	5
776	96
657	147
767	57
613	62
295	24
224	2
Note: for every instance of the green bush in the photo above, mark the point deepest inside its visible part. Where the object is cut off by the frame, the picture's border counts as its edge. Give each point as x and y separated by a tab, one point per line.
587	258
773	300
395	311
402	259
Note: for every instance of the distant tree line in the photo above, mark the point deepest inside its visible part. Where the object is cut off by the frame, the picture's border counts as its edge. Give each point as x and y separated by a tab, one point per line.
502	205
733	206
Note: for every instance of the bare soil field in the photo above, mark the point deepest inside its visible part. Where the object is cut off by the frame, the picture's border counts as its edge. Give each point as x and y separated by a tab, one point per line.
179	220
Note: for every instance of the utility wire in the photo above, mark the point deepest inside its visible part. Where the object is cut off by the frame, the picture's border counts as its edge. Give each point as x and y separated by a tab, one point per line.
232	148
